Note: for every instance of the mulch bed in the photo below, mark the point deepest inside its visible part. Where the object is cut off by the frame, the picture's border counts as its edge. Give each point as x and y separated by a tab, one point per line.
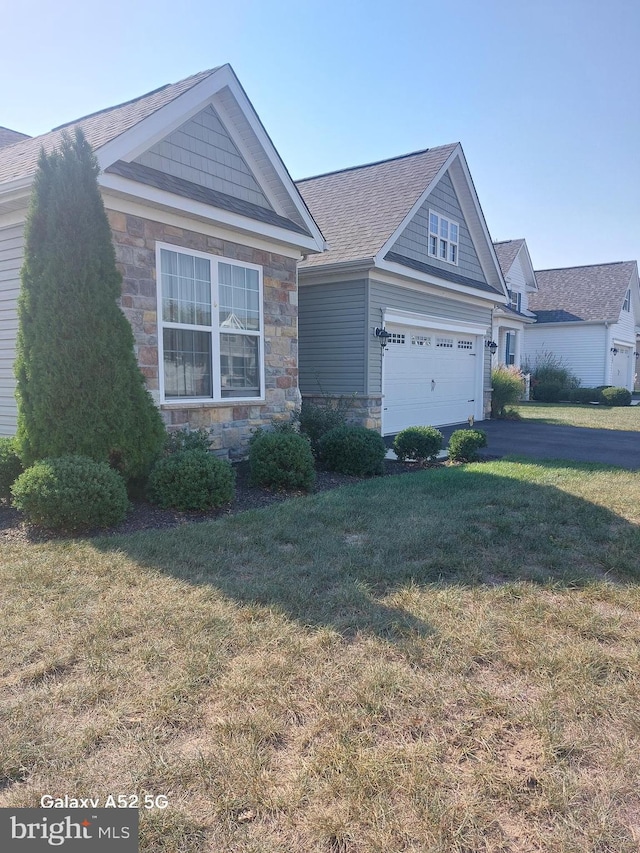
145	516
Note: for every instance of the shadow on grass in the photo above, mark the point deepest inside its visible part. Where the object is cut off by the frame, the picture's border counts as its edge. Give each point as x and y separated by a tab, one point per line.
333	559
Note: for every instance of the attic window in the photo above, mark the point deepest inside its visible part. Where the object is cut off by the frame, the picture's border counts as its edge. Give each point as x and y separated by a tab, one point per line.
626	305
443	238
515	300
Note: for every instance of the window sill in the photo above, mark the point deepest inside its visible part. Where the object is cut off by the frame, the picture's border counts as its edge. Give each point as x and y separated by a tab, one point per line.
208	404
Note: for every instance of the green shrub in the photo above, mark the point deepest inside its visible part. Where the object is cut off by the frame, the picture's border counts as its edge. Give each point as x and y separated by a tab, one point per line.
507	385
185	439
316	421
79	390
549	368
10	466
583	395
465	443
421	443
281	460
352	450
615	397
191	479
71	493
546	392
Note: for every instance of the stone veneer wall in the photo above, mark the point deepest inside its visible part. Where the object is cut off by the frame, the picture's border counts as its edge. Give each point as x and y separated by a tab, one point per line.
229	424
360	409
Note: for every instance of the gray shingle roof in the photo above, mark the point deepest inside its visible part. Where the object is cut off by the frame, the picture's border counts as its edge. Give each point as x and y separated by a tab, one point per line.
506	251
21	158
10	137
358	209
582	293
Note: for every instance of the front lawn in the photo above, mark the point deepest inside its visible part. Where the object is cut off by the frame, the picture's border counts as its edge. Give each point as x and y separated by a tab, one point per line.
593	416
446	661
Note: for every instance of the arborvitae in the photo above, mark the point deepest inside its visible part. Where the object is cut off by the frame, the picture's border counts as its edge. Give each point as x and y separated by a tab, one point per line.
79	387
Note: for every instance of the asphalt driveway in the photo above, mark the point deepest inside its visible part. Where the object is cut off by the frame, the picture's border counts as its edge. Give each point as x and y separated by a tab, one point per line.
551	441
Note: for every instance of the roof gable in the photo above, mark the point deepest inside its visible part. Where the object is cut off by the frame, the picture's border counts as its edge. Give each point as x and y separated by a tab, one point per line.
510	252
358	209
123	134
589	293
364	210
99	128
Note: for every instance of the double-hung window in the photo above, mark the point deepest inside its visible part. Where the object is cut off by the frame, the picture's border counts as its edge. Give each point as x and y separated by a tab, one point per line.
627	301
443	238
210	327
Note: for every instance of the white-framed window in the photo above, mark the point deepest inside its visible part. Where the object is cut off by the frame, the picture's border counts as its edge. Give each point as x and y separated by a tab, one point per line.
626	305
210	326
445	343
510	348
443	238
465	343
397	338
515	300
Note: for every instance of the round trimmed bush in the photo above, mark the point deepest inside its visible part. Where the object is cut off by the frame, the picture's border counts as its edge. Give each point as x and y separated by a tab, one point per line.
281	460
421	443
352	450
316	421
71	493
465	443
10	466
615	397
191	479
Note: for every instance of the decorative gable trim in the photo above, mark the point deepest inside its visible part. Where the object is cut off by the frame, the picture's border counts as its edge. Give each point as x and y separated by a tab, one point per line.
455	165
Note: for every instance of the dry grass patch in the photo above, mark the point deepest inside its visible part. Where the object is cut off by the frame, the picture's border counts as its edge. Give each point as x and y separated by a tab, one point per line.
445	662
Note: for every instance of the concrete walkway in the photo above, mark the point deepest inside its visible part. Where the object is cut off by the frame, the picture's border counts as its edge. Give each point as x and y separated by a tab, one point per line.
555	441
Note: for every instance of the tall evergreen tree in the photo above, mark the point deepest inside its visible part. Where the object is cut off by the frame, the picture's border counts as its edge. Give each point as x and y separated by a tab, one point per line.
79	387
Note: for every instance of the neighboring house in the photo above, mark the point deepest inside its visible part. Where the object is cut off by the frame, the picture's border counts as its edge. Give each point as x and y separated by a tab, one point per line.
208	229
510	320
588	318
408	252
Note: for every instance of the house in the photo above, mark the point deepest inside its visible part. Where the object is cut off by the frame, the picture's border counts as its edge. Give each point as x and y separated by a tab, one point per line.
510	320
588	318
396	313
208	229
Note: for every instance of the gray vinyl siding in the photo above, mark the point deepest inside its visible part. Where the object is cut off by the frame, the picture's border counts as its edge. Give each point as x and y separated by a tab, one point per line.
332	340
414	240
11	256
202	152
383	296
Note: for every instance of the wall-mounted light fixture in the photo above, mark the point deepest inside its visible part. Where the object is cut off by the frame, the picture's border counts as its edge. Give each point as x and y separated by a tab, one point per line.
614	350
637	354
383	336
492	346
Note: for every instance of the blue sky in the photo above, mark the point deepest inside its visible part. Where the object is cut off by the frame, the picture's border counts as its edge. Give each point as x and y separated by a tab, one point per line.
544	95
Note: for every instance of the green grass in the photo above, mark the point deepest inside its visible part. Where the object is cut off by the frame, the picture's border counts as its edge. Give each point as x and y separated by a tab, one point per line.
591	416
442	661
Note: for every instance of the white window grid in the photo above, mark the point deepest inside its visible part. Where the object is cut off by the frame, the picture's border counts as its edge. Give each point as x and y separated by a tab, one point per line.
397	338
443	238
465	343
445	343
420	340
213	327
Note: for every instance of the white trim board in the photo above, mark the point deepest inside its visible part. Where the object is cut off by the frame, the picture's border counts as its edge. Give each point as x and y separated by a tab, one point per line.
429	321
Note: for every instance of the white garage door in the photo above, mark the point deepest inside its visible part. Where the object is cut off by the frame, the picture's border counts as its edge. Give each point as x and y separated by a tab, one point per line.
429	378
620	367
